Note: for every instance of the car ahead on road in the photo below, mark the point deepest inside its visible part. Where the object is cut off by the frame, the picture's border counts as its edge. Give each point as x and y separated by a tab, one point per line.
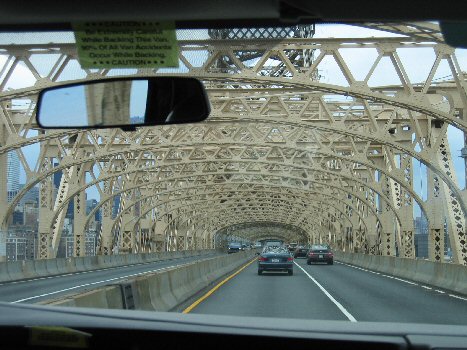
320	253
234	248
275	259
300	252
292	246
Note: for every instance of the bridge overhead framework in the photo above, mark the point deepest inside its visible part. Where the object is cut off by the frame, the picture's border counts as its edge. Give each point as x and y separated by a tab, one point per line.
291	151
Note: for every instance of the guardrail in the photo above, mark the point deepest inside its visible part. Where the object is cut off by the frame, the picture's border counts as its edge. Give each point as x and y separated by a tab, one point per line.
447	276
26	269
158	291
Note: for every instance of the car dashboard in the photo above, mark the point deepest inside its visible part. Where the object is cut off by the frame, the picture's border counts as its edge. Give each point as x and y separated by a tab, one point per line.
26	327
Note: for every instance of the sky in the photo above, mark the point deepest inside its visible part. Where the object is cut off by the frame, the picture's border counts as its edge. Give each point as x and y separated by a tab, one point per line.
417	62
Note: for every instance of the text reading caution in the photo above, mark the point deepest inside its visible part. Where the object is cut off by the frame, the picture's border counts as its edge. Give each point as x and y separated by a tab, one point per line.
126	44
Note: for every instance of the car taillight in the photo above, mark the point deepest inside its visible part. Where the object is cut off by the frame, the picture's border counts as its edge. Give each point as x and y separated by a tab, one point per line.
262	258
290	259
330	254
311	253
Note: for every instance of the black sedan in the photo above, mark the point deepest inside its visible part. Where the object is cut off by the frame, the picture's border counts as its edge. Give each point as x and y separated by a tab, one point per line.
300	252
319	253
275	259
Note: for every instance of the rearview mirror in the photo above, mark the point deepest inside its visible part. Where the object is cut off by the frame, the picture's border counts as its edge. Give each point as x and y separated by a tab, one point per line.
123	103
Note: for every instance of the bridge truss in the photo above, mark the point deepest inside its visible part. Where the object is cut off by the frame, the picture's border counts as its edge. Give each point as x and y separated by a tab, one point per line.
326	161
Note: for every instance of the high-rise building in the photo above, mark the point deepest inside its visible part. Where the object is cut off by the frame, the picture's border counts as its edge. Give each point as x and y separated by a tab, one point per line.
421	225
12	175
31	196
116	206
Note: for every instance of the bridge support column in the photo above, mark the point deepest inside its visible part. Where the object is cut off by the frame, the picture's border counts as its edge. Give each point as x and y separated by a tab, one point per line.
388	234
127	232
171	233
106	239
456	222
435	219
158	243
407	246
107	242
79	217
144	236
45	212
372	239
3	203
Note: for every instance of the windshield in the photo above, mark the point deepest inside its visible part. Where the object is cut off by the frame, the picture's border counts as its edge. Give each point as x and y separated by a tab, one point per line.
346	139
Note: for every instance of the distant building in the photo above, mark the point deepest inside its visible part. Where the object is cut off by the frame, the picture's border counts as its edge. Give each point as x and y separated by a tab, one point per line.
12	171
21	243
116	206
67	242
421	225
12	182
31	196
31	215
421	245
18	217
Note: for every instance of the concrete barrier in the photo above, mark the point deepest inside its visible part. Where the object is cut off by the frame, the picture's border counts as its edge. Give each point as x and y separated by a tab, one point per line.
162	290
51	266
19	270
15	270
4	272
79	264
62	265
40	267
446	276
104	261
106	297
28	270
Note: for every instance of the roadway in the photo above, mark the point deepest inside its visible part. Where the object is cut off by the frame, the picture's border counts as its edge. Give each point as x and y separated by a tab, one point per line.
333	292
44	288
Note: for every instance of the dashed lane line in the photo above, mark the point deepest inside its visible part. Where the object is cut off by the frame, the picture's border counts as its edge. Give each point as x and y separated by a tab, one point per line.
457	297
403	280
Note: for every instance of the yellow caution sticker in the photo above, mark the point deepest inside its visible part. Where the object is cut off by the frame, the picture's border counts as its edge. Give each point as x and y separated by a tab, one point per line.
126	44
58	337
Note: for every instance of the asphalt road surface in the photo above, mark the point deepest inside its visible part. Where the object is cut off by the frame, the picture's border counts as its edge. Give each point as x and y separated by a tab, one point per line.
44	288
334	292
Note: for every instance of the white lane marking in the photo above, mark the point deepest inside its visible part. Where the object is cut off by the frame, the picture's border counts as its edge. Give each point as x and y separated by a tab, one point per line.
457	297
91	284
405	281
89	271
339	305
377	273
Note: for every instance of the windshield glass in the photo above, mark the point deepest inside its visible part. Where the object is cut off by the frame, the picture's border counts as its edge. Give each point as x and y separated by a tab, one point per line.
346	139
